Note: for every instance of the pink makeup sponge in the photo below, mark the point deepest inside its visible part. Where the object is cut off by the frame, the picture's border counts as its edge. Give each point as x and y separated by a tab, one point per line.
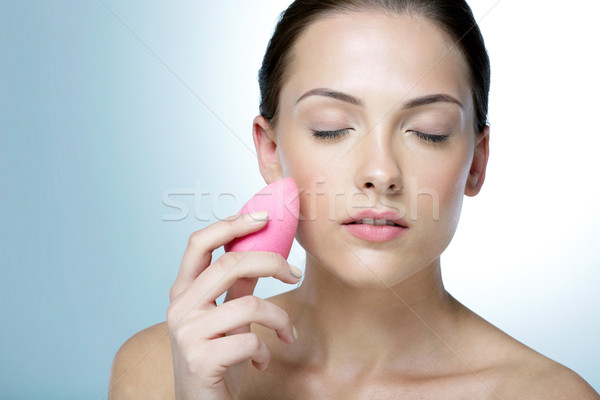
280	200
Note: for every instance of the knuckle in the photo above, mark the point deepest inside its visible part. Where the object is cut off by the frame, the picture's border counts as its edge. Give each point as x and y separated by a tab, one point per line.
173	293
278	262
187	339
252	341
284	316
172	316
177	328
232	218
177	335
250	303
182	333
227	258
278	259
195	362
196	238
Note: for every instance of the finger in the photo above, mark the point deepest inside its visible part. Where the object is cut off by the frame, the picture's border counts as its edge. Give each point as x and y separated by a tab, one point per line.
228	317
221	274
234	349
242	287
202	243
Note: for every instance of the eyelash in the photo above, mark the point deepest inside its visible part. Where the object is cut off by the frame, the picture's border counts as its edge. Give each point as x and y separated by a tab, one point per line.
328	135
431	138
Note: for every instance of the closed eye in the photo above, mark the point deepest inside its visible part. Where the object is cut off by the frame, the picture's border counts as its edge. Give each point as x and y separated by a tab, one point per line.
431	138
331	134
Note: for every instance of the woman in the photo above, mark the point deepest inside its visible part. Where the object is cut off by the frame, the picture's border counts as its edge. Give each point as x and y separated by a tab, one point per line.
377	110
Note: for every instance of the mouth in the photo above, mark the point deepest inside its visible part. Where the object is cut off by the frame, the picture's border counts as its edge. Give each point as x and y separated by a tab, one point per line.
375	222
376	228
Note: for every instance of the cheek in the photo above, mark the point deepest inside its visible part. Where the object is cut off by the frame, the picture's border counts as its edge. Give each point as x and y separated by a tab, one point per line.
316	211
313	175
440	190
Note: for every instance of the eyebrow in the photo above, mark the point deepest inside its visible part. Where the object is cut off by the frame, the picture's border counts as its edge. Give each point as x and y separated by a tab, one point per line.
332	93
416	102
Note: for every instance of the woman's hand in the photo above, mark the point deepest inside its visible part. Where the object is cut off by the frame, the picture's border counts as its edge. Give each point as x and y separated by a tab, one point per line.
211	345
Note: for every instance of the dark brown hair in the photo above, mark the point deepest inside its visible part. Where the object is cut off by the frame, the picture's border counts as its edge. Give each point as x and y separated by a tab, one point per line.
453	17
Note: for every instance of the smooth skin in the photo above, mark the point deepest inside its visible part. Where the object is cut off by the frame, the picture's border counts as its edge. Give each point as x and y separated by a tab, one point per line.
373	319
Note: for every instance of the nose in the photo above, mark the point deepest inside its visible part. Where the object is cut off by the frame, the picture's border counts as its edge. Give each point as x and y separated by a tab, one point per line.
378	169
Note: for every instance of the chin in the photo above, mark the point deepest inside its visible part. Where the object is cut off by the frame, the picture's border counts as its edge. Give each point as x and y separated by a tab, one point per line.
369	265
365	270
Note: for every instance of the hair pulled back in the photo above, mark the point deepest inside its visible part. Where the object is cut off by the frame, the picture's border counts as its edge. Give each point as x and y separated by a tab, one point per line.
453	17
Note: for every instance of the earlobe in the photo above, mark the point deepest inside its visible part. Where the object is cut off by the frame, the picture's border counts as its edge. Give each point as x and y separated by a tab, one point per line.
481	155
266	150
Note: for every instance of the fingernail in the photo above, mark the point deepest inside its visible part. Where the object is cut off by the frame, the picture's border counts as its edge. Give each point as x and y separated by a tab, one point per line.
297	272
260	216
294	332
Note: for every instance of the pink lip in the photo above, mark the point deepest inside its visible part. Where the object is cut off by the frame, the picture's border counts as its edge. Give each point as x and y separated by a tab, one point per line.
376	233
388	215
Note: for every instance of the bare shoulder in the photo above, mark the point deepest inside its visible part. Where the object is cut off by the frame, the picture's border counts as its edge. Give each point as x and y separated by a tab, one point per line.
522	373
560	382
512	370
537	377
143	367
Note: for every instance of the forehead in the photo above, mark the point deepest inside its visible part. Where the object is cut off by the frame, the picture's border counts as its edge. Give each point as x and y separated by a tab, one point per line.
377	57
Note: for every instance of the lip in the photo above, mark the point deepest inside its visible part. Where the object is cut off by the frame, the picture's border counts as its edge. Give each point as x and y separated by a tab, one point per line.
387	215
375	233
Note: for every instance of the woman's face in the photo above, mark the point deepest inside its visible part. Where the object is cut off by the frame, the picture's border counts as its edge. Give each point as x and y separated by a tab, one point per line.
387	154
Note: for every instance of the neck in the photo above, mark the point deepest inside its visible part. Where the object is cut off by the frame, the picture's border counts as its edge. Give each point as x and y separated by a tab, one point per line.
383	327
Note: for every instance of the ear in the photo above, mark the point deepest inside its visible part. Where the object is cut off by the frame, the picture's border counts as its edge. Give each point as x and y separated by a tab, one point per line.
481	154
266	150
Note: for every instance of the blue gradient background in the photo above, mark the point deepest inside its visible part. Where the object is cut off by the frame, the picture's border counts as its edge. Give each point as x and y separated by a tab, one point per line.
110	111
